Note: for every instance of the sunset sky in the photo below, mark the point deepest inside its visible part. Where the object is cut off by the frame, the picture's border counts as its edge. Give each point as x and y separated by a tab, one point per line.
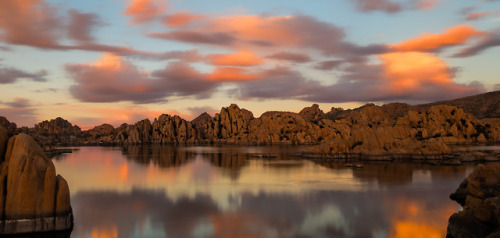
114	61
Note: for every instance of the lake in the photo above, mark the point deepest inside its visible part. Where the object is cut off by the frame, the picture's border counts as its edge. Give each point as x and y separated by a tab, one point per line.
228	191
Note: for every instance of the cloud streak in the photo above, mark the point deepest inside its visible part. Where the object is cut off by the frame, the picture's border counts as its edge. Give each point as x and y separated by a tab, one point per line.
489	40
10	75
456	35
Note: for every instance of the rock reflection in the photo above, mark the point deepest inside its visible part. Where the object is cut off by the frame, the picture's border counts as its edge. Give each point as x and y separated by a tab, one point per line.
164	156
396	173
231	163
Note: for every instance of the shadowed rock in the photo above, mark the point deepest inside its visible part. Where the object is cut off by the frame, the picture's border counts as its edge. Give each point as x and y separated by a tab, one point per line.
479	195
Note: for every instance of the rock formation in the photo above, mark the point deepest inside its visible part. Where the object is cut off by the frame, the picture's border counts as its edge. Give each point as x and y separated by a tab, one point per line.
386	132
32	197
371	131
54	132
479	195
486	105
11	127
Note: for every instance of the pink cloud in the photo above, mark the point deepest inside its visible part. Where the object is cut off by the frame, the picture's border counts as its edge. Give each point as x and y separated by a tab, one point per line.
257	32
37	23
413	77
378	5
478	15
29	22
233	74
113	79
427	4
389	6
240	58
180	19
145	10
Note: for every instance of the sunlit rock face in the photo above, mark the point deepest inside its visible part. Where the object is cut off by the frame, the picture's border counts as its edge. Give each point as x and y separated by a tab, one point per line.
369	130
32	197
479	195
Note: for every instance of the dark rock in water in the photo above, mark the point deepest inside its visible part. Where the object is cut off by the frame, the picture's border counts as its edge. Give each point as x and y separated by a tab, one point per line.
479	194
32	197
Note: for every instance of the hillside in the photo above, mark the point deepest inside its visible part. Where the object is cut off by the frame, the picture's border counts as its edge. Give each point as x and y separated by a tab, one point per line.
486	105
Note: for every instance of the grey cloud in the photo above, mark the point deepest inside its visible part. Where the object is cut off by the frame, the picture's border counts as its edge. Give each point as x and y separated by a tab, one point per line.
11	75
19	103
491	39
291	56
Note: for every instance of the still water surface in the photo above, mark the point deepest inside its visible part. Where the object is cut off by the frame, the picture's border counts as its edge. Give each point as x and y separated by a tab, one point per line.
225	191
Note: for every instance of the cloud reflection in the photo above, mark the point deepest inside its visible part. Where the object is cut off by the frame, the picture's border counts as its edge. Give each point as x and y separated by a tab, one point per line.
160	191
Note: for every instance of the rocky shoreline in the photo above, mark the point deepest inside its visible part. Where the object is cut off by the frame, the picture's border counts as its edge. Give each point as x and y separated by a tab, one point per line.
388	132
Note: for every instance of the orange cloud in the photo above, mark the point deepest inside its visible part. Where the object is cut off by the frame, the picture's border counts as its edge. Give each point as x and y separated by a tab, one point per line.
240	58
231	74
145	10
110	61
453	36
113	79
179	19
408	71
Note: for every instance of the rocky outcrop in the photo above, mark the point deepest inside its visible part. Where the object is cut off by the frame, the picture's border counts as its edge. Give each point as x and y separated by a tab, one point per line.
10	126
479	195
32	197
54	132
172	130
423	135
486	105
104	133
312	113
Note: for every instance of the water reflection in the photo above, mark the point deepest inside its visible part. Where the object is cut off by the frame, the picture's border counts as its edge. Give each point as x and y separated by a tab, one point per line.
227	192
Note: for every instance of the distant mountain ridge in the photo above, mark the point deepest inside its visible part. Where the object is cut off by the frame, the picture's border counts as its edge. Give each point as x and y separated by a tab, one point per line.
486	105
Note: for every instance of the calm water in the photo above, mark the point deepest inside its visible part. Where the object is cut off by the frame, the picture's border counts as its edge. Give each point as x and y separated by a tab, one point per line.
166	191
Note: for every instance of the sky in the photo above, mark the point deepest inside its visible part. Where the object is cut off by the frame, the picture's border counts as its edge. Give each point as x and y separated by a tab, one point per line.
120	61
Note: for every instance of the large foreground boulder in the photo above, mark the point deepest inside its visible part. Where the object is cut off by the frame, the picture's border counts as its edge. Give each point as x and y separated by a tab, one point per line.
479	195
32	197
